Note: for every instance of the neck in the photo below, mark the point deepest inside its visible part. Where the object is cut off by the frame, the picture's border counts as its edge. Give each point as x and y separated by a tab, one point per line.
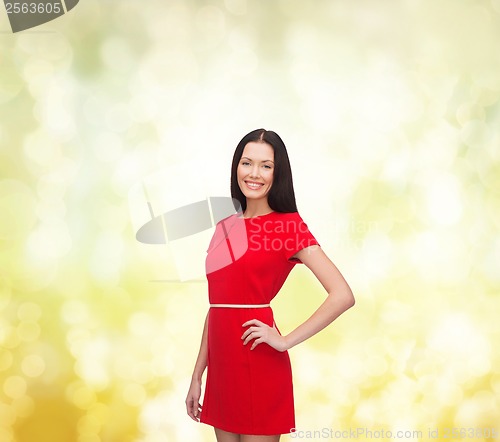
256	208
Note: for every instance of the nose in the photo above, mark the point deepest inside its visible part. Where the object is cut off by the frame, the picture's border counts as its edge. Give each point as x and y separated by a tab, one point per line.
254	173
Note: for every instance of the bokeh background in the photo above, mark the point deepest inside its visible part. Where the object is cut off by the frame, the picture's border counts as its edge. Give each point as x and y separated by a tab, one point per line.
390	112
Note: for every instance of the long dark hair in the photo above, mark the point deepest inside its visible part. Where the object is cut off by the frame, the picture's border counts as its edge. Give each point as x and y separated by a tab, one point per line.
281	196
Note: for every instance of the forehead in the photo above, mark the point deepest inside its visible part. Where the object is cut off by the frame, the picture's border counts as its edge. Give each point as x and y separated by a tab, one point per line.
258	151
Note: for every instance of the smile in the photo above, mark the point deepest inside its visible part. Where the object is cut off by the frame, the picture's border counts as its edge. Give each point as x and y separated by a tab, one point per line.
253	186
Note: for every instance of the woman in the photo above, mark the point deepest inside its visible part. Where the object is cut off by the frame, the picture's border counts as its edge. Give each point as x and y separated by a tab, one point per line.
249	393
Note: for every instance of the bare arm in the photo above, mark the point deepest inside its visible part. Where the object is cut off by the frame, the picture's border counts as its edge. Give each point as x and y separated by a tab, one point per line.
193	406
339	299
201	361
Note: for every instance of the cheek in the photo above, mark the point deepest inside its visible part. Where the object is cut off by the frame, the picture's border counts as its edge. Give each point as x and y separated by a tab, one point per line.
239	172
270	177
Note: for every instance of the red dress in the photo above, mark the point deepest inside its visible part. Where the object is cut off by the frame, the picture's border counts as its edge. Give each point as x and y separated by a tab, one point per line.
249	391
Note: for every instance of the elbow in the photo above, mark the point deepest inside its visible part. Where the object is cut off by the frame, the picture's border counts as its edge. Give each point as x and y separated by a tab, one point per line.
349	299
343	297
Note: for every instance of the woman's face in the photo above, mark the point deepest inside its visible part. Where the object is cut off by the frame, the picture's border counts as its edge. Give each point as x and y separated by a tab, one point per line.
256	170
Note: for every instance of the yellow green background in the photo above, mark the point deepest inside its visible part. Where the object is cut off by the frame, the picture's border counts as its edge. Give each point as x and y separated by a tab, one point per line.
390	112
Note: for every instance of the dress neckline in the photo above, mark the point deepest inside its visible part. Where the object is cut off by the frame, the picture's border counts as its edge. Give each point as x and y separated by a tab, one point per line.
258	216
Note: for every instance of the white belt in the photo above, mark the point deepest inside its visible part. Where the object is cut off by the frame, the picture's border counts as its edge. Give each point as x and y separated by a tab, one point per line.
241	305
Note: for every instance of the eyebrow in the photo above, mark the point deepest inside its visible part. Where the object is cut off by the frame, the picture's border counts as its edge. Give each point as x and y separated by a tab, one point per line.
264	161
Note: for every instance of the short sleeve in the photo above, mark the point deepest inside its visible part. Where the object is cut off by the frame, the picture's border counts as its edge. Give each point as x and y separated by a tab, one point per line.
296	236
212	241
218	235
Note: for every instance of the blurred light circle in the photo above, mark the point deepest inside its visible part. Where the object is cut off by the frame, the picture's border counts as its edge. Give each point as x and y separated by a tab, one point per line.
100	411
210	20
107	255
163	364
5	292
88	425
476	134
92	362
42	149
116	54
350	367
77	338
141	325
479	365
33	366
29	311
24	406
118	118
6	359
472	411
8	336
236	7
17	206
488	400
144	107
51	46
75	311
108	146
50	240
7	416
81	395
28	331
54	106
469	111
487	78
243	63
375	365
444	198
142	372
12	83
14	386
123	366
134	394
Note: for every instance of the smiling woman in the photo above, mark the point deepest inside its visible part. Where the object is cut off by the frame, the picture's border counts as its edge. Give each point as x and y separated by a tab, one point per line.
261	157
249	390
255	172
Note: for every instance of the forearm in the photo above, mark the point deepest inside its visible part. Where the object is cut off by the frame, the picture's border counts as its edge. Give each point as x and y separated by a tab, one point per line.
201	361
333	306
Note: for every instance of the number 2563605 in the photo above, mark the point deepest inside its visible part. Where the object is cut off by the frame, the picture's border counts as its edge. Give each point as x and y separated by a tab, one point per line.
33	8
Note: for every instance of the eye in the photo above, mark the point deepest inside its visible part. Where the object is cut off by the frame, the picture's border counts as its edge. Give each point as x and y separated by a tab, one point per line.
267	166
244	163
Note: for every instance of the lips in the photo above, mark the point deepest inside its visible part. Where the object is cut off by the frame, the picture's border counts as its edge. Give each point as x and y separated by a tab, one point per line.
253	185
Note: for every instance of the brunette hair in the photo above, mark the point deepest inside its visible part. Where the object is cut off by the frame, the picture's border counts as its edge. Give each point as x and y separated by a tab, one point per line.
281	196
